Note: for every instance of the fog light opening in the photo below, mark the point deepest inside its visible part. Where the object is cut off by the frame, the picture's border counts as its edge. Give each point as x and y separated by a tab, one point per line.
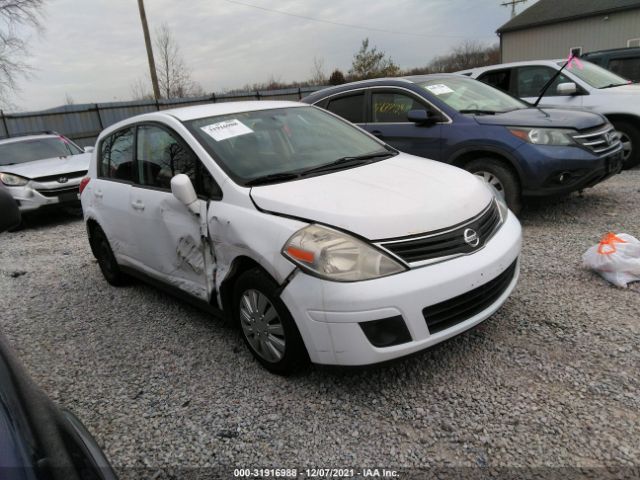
386	332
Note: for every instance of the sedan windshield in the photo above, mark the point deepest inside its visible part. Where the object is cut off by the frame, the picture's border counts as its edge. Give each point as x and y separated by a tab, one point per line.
471	96
594	75
36	149
282	144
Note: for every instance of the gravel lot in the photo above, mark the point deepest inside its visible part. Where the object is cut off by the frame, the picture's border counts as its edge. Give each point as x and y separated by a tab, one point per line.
551	380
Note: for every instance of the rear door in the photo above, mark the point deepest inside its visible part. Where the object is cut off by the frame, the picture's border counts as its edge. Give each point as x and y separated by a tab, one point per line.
111	191
169	236
388	121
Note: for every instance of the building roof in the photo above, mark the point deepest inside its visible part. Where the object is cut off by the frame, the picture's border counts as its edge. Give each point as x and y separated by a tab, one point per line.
545	12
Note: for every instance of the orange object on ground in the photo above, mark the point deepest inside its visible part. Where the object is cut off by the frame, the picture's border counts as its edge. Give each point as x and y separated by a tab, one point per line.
607	245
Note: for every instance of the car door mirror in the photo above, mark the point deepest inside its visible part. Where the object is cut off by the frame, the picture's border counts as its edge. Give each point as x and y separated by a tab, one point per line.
182	189
10	217
568	88
421	117
89	149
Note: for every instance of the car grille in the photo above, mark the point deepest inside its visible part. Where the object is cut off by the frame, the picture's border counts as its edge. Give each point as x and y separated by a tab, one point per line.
55	192
458	309
601	141
447	242
55	178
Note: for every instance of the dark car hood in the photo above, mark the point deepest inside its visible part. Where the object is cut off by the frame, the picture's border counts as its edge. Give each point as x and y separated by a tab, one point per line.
544	117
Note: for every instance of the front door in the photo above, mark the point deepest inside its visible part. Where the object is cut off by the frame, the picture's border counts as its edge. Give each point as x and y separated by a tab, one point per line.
170	243
530	80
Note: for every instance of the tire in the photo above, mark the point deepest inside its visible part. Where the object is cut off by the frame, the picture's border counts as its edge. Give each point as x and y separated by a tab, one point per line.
500	176
630	136
266	325
106	259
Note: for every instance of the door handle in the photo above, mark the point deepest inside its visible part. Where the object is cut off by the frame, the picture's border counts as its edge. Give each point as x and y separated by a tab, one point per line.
377	133
138	205
98	193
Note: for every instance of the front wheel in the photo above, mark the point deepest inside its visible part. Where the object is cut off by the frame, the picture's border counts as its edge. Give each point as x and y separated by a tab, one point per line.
630	137
499	177
267	327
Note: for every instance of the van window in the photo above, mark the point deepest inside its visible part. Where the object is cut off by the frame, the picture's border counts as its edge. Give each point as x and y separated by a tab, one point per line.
498	78
116	156
626	67
350	108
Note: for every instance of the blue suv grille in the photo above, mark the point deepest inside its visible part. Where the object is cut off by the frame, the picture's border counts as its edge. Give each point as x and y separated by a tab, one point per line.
457	240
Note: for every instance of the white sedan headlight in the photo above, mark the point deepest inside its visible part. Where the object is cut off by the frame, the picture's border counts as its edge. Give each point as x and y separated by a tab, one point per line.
500	201
13	180
337	256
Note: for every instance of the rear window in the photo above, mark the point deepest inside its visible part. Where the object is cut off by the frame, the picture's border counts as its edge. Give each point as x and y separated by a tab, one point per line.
350	108
626	67
116	156
36	149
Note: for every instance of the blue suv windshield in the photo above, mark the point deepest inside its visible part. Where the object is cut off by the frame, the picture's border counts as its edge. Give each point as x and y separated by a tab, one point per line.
467	95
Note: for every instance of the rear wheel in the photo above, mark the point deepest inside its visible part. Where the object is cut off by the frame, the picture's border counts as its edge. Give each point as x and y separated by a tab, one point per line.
501	178
106	259
266	325
630	137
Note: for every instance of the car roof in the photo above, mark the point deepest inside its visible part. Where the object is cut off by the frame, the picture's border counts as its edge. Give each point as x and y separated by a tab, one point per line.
24	138
511	64
621	52
226	108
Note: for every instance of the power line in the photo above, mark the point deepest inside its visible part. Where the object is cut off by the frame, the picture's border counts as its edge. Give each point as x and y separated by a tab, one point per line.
347	25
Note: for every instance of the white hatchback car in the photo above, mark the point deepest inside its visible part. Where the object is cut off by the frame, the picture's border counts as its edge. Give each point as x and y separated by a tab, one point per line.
316	238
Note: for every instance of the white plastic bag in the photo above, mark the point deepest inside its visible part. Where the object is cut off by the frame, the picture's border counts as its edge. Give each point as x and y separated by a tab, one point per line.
616	258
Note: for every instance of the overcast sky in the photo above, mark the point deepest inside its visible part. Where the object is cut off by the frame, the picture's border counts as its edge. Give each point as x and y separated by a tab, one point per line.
93	50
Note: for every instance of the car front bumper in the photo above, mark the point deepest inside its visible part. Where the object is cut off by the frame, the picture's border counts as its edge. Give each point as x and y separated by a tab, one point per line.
578	168
33	195
328	314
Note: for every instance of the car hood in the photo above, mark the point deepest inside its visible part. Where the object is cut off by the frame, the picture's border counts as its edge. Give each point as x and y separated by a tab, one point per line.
544	117
49	166
630	89
404	195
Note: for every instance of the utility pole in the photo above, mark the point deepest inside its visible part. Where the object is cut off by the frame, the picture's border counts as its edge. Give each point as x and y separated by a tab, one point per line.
513	6
147	41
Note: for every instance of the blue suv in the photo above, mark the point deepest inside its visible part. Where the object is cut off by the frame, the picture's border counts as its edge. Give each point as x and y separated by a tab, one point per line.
521	150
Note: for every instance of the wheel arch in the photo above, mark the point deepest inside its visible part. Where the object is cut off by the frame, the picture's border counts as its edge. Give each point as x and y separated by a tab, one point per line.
463	157
239	265
623	117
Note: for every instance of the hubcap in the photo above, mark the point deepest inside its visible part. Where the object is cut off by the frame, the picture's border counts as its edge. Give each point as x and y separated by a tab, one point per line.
492	180
262	326
626	145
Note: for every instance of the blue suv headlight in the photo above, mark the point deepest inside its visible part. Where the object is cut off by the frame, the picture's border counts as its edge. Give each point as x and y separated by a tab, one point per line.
545	136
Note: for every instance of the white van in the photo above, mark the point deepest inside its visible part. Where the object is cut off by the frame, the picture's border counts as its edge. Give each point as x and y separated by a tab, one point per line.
321	242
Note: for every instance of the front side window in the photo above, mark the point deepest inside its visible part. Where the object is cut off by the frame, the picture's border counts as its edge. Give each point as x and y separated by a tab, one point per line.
391	107
249	145
531	80
595	76
24	151
160	156
350	107
471	96
116	156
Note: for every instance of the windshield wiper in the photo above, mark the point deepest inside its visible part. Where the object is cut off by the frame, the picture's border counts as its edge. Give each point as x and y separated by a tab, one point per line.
478	110
349	161
611	85
271	178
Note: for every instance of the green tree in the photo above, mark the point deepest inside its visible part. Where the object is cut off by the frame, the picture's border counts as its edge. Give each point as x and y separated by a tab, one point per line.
337	78
371	63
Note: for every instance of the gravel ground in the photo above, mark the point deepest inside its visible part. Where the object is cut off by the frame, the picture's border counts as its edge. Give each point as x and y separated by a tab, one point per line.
551	380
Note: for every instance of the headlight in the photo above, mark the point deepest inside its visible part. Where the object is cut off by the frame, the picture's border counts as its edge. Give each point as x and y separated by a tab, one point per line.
544	136
13	180
501	202
337	256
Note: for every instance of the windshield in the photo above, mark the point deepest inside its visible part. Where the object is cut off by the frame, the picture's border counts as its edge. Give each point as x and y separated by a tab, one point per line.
594	75
36	149
251	145
465	94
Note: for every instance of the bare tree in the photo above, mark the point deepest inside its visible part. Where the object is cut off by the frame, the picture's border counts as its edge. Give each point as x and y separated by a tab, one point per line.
174	77
318	76
13	47
140	90
68	99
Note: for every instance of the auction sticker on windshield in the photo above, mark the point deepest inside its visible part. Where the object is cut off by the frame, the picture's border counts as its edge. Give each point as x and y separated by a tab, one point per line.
439	89
225	130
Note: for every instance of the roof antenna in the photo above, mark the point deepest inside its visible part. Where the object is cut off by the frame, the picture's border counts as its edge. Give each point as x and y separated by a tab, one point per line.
513	6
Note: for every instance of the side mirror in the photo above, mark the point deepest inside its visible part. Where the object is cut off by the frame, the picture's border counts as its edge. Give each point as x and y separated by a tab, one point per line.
421	117
568	88
10	213
89	149
182	189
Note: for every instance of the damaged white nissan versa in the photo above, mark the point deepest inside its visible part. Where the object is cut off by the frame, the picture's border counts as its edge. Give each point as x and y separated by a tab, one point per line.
321	242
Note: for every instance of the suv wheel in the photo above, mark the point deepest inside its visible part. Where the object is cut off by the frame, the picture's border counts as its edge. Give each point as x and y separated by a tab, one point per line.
266	324
501	178
630	138
106	259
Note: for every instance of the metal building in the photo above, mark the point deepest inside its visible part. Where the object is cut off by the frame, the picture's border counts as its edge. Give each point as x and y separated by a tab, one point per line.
554	28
